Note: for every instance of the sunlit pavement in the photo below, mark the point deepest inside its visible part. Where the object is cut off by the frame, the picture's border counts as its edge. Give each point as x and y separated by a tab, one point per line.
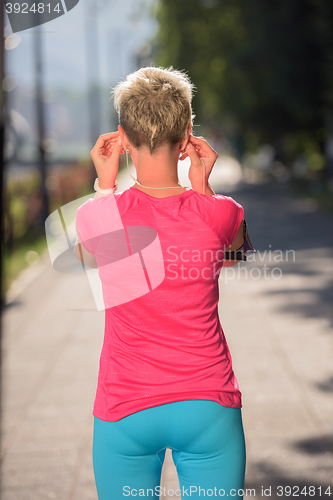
278	324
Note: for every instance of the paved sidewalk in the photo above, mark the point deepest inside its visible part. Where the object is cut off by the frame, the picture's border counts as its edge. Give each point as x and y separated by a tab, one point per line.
279	330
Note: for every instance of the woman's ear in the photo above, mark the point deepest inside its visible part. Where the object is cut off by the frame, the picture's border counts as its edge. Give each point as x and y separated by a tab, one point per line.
187	136
124	140
122	134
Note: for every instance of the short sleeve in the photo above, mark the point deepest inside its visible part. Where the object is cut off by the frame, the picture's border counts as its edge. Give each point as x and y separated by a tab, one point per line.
229	215
95	219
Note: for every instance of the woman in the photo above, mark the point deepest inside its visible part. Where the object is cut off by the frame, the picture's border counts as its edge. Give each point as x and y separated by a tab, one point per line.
166	377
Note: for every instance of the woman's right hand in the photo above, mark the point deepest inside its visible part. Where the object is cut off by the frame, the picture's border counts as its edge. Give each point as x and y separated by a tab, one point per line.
105	155
199	150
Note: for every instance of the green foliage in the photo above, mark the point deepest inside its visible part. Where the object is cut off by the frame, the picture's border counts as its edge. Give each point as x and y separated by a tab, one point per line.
263	69
23	197
22	208
15	262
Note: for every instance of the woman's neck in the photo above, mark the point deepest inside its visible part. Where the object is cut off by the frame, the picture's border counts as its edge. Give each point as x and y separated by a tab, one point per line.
158	170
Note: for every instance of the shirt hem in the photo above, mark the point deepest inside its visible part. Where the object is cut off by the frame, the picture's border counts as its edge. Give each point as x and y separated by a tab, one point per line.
230	400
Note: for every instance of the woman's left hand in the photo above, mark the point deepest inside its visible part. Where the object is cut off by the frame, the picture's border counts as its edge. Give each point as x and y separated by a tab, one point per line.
199	150
105	155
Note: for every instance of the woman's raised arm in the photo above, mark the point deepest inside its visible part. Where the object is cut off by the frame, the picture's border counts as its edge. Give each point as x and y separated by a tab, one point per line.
203	158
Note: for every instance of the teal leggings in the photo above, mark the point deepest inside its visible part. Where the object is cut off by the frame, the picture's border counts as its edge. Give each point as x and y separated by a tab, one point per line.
207	443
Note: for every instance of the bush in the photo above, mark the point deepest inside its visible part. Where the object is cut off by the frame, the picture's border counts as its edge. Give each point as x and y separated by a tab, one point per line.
22	204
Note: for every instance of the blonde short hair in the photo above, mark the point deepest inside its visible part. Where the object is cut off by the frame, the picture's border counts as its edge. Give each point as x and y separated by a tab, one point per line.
154	106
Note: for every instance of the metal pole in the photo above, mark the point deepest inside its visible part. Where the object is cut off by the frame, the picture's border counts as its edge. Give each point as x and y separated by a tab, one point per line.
40	109
93	74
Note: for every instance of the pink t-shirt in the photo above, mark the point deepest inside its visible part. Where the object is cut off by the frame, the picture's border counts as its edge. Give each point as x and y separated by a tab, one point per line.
159	261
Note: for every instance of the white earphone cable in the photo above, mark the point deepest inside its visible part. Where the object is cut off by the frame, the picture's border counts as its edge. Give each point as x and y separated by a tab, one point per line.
169	187
204	175
149	187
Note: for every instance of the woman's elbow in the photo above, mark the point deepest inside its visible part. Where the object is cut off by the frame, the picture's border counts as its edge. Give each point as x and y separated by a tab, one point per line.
86	258
230	263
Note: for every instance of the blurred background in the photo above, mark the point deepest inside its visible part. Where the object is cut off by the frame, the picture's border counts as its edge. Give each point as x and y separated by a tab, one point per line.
264	99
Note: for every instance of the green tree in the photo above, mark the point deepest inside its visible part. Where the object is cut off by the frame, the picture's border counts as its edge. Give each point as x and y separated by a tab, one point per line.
263	69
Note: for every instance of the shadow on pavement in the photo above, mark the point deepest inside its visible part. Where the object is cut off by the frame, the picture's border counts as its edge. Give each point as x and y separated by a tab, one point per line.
277	218
276	485
316	445
326	386
15	303
279	221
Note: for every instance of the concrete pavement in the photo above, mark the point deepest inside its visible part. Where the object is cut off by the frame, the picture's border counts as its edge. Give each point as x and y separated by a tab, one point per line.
278	325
